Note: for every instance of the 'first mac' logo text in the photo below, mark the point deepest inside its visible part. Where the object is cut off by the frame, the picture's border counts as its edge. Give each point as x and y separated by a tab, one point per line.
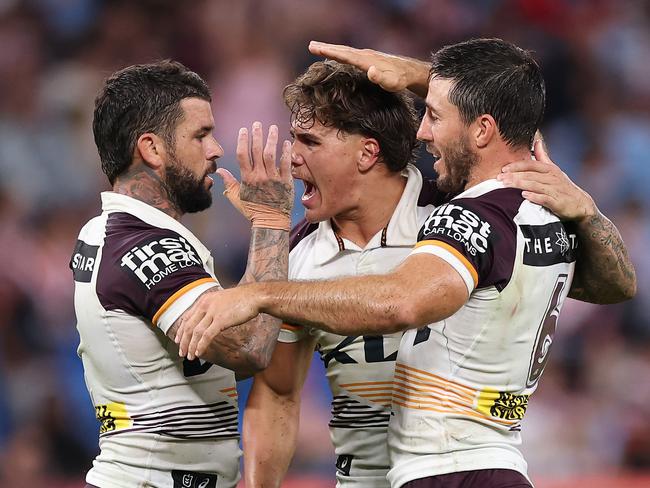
152	261
460	224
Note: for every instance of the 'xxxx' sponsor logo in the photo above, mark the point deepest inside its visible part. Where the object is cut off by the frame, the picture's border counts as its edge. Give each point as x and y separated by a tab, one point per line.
152	261
460	224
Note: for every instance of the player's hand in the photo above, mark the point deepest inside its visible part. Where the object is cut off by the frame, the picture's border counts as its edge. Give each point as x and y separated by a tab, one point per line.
544	183
392	73
210	315
265	196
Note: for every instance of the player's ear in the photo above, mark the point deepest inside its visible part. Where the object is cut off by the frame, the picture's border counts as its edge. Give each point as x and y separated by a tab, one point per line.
368	155
484	129
151	149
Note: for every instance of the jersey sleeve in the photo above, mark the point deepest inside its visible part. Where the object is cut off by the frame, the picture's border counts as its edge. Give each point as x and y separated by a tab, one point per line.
151	272
476	236
290	333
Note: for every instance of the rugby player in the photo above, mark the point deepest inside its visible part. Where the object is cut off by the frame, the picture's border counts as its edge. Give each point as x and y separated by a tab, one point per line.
166	421
364	228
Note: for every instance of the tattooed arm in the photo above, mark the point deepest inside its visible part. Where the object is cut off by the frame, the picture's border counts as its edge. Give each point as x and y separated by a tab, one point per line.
247	348
253	342
265	197
604	272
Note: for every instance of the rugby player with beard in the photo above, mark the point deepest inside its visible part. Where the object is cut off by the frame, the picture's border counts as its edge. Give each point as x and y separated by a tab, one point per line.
166	421
364	205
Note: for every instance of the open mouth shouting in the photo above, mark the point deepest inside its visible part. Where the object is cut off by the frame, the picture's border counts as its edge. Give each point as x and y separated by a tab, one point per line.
311	196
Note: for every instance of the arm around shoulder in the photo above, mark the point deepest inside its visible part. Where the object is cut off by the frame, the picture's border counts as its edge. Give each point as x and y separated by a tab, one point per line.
604	272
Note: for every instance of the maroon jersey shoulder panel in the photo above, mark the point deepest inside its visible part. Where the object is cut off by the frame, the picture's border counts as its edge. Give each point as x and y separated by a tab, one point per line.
483	230
430	194
301	230
142	265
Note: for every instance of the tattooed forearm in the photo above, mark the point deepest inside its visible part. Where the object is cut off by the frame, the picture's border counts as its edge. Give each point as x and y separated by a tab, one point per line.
604	272
276	194
251	345
142	183
268	256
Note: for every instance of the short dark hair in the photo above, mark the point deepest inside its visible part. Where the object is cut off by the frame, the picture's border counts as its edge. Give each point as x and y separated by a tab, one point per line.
341	96
491	76
139	99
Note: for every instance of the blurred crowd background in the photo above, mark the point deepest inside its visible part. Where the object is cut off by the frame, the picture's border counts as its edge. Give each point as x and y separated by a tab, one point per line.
589	420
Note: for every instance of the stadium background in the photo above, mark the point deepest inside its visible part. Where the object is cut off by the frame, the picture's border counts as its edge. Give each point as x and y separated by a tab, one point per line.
588	424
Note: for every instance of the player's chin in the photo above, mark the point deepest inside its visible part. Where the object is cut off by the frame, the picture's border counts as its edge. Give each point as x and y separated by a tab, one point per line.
315	215
201	200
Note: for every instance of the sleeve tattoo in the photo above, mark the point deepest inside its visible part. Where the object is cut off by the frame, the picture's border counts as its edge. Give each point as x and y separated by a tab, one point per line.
254	341
247	348
604	272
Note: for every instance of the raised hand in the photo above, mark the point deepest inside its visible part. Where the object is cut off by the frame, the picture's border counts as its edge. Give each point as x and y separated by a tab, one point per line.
265	195
544	183
392	73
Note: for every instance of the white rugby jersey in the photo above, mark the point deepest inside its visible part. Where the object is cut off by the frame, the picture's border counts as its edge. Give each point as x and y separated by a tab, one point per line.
462	385
164	421
359	369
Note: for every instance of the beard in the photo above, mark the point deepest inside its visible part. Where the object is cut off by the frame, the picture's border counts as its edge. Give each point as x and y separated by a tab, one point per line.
186	191
459	159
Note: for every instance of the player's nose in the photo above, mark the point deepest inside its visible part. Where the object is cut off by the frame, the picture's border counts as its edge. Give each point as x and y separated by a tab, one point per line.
214	150
296	158
424	133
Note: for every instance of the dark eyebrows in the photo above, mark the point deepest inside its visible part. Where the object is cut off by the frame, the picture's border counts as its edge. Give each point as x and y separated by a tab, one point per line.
305	136
205	130
431	108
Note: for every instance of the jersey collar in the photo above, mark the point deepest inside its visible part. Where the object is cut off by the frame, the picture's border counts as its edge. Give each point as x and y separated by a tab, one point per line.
400	231
480	189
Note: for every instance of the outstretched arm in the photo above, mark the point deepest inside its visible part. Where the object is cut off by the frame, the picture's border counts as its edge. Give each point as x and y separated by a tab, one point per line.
373	305
392	73
265	197
604	271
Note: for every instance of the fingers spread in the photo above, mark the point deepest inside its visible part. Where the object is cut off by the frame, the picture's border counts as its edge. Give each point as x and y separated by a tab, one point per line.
243	153
257	148
270	150
285	162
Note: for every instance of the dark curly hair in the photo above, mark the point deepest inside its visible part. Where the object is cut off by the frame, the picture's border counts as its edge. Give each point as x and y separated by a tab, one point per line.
341	96
492	76
139	99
